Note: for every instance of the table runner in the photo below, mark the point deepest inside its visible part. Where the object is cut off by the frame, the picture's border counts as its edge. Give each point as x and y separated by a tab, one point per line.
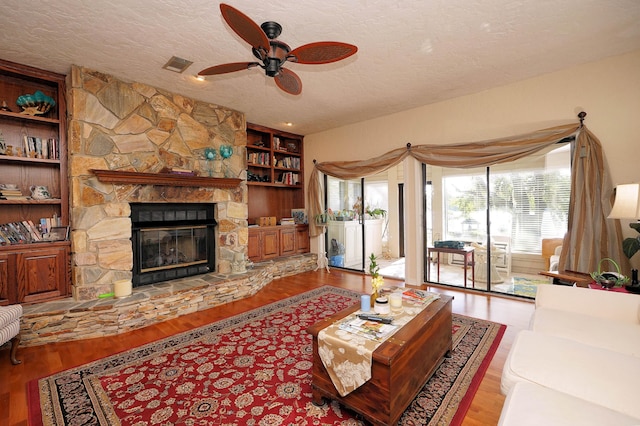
346	347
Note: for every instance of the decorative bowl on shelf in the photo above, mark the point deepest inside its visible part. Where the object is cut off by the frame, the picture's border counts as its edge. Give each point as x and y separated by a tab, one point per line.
35	104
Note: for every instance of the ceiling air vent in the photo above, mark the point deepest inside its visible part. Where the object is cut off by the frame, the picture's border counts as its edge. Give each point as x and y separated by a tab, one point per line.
176	64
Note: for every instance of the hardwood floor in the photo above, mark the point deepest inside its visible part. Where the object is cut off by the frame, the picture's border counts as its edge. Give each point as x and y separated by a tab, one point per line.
43	360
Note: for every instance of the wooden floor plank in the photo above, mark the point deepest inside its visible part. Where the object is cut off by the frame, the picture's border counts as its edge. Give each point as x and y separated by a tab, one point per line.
44	360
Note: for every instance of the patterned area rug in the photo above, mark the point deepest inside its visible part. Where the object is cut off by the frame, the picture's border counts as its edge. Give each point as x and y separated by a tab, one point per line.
527	287
250	369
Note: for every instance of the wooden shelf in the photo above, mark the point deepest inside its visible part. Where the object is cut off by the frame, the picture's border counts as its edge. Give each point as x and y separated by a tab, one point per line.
163	179
37	244
35	161
27	117
50	201
275	185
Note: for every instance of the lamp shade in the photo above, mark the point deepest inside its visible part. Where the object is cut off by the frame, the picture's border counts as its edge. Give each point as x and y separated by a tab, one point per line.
627	202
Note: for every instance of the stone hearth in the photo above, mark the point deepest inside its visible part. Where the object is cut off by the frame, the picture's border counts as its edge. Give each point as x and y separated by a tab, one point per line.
68	319
131	127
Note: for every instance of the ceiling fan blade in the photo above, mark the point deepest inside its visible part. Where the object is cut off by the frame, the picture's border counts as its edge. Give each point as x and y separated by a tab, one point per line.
245	27
225	68
322	52
288	81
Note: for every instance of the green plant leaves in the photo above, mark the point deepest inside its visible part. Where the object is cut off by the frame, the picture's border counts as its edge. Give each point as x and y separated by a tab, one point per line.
630	246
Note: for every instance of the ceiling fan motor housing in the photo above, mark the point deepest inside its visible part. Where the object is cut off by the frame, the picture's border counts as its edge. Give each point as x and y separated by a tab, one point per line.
275	58
271	29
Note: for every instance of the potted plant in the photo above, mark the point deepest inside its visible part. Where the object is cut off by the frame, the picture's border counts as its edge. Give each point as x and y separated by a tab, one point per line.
376	280
376	213
609	279
630	246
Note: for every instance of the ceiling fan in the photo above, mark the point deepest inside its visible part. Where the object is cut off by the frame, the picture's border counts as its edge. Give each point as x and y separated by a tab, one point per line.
273	53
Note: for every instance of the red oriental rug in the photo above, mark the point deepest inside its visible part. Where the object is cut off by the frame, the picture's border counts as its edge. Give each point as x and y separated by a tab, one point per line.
250	369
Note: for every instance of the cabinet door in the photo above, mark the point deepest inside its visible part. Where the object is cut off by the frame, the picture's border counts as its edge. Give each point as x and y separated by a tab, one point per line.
270	243
254	245
5	297
302	239
42	274
353	244
287	241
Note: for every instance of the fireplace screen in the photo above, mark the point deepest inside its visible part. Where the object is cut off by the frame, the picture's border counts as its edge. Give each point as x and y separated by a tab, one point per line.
171	240
166	248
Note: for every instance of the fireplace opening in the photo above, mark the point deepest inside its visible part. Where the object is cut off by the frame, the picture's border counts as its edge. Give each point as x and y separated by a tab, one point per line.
171	241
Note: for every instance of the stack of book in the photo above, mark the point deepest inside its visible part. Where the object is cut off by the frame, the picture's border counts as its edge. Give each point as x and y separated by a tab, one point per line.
35	147
287	221
11	194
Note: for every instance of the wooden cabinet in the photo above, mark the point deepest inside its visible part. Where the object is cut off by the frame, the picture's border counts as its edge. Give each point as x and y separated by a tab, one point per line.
268	242
34	272
33	154
287	240
275	172
264	243
302	239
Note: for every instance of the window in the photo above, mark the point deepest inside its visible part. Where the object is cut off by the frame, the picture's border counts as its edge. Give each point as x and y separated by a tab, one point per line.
529	200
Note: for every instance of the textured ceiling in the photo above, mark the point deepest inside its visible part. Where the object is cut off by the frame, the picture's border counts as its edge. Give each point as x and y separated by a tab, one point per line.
411	53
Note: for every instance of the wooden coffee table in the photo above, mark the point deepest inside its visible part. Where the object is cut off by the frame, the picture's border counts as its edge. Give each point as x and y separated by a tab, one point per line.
401	365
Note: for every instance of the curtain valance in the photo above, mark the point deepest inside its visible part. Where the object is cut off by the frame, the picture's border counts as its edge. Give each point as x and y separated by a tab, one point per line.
590	191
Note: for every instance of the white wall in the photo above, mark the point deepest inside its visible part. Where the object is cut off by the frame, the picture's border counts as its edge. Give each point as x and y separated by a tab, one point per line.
608	90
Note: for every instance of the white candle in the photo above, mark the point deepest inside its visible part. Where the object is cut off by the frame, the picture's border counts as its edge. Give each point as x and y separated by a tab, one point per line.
395	300
122	288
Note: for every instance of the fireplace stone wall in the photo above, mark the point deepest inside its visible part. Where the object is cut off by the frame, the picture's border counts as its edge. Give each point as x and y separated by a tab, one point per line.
128	126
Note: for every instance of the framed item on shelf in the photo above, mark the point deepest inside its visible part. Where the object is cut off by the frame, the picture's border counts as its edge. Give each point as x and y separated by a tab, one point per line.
292	147
299	216
58	233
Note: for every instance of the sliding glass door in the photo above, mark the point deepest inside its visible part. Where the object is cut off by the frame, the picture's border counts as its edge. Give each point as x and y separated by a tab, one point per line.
502	212
357	221
345	226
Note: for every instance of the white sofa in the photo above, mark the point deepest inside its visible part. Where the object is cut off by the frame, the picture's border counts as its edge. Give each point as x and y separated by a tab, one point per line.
579	362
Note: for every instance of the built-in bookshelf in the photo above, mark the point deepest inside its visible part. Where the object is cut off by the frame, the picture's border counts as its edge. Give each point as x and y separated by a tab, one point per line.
275	173
274	158
34	195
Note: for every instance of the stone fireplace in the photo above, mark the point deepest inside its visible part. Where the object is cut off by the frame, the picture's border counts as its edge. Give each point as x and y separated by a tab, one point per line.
134	128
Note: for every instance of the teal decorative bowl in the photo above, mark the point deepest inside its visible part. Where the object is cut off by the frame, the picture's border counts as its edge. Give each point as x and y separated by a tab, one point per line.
226	151
35	104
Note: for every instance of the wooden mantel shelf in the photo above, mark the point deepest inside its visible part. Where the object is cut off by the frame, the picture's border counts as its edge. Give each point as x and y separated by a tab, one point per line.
163	179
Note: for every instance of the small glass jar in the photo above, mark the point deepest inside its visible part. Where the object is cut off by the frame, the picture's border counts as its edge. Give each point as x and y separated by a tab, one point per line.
382	306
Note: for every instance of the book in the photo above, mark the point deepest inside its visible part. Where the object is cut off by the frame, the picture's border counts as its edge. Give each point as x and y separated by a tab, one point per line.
35	234
18	237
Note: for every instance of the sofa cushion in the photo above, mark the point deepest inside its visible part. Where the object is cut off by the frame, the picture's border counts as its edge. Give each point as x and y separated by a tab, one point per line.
528	404
597	375
614	335
598	303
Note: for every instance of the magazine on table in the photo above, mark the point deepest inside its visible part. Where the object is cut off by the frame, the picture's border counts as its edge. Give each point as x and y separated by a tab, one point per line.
413	295
370	329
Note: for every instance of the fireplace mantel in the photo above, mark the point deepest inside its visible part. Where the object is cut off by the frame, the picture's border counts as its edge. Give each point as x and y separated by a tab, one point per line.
163	179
